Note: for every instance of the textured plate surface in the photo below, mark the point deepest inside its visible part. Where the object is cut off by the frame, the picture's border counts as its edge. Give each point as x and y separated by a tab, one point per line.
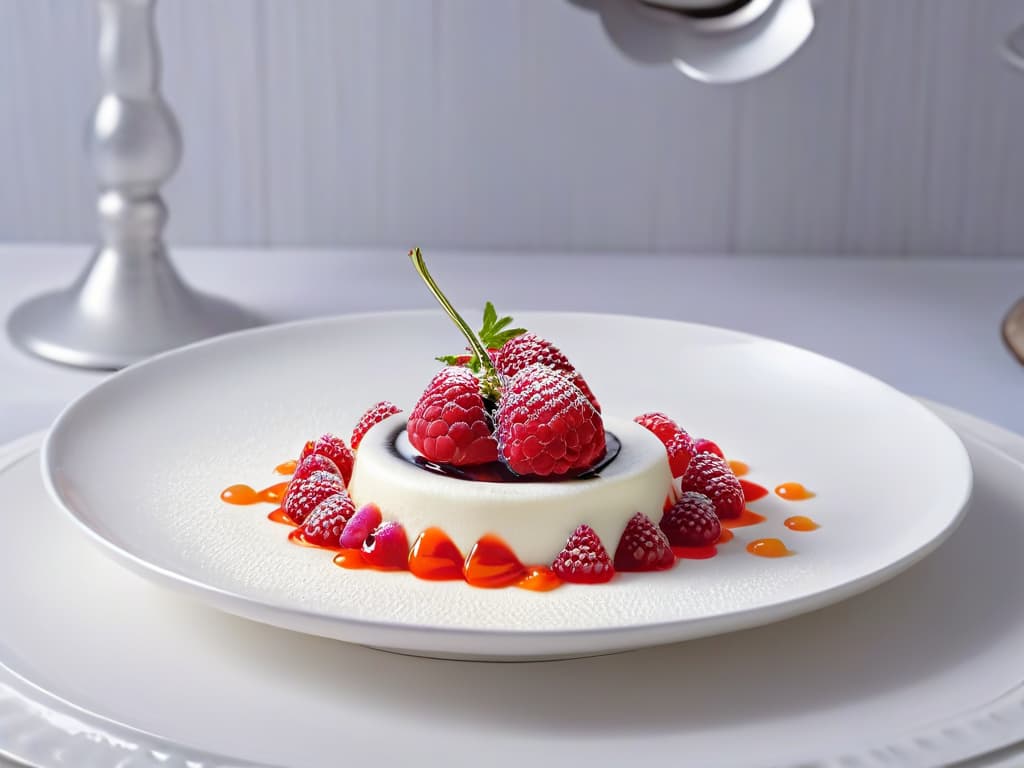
139	462
930	674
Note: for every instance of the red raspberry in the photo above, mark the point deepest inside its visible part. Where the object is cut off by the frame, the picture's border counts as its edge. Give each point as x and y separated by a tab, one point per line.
678	444
314	463
304	495
327	520
703	445
691	522
546	426
360	525
530	349
584	560
449	424
661	425
387	547
710	475
375	415
680	451
643	547
333	448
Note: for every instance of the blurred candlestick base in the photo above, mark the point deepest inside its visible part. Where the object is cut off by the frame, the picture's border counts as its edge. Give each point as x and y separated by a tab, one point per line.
130	302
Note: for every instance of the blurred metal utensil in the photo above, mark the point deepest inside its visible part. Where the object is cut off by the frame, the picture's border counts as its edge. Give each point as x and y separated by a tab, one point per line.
129	303
1013	324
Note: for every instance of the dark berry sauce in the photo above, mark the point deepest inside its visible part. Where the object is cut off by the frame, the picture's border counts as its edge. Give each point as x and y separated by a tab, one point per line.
496	472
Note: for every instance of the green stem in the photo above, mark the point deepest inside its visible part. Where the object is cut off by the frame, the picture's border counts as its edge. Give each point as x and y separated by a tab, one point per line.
490	378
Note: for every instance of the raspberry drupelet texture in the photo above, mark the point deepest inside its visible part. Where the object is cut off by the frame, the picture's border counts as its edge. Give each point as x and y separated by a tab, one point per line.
304	495
529	349
643	547
710	475
449	424
584	560
691	522
373	416
546	426
678	444
333	448
326	522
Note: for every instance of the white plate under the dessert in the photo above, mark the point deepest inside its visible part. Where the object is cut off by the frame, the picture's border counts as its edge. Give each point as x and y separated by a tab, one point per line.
99	667
139	463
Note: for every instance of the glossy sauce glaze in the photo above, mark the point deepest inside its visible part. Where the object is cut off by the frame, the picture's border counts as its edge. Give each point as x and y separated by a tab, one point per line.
245	495
752	491
793	492
490	563
800	523
769	548
739	468
747	517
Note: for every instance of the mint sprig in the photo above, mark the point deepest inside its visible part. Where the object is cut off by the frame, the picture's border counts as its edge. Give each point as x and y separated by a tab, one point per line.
495	331
493	334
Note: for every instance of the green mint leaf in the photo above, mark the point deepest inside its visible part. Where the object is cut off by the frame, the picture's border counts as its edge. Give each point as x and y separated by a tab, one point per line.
490	315
449	359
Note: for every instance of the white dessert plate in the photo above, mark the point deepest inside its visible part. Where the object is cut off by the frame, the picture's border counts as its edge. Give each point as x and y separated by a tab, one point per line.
139	463
99	667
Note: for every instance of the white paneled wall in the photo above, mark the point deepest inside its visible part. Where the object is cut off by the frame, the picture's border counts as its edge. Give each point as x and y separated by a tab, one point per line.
516	124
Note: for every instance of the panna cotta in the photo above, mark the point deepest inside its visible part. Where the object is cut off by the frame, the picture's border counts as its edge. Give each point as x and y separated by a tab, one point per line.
534	518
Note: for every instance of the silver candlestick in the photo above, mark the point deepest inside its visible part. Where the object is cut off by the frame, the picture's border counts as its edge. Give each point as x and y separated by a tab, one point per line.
129	303
1013	323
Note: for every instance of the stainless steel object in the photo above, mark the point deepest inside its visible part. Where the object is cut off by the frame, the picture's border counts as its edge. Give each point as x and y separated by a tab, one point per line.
129	303
713	41
1013	323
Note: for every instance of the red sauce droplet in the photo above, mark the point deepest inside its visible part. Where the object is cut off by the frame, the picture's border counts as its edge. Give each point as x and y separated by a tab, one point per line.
286	467
492	564
747	517
793	492
768	548
352	559
539	579
801	523
435	557
752	491
695	553
739	468
725	536
245	495
278	516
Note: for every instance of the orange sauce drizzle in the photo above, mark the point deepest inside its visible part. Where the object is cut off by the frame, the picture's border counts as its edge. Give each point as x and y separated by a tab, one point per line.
800	523
747	517
739	468
435	557
725	536
768	548
793	492
245	495
279	516
492	564
539	579
286	467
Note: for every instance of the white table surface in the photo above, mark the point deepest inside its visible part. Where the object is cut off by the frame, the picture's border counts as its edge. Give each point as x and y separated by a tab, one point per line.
929	327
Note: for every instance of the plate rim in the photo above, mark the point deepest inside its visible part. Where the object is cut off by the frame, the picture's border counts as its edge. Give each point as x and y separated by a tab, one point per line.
632	636
970	734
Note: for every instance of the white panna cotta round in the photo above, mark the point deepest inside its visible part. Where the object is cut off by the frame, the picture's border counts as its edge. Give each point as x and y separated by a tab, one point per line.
534	518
